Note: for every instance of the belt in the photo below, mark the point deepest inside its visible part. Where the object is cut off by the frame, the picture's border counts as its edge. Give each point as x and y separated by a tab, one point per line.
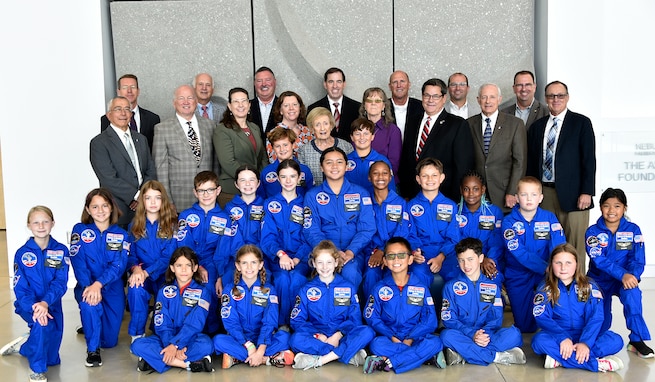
548	184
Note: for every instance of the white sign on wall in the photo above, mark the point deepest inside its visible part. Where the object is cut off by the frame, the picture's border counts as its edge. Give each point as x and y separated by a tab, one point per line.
627	161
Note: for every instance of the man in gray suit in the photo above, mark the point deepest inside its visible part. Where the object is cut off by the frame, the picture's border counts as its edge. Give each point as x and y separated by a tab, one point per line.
528	108
208	106
183	148
499	146
121	159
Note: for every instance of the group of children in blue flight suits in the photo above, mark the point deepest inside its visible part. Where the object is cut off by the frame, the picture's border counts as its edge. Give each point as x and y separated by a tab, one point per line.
250	263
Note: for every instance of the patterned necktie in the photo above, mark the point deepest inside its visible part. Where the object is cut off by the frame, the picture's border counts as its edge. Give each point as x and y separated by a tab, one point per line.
204	112
194	142
337	115
424	137
132	122
132	153
487	136
550	151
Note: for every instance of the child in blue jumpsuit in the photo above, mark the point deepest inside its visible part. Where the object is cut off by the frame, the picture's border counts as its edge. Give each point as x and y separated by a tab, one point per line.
616	249
401	312
391	219
362	133
341	212
480	219
281	140
200	228
153	240
249	308
568	308
180	312
99	251
326	319
40	277
246	214
282	238
530	235
433	228
472	312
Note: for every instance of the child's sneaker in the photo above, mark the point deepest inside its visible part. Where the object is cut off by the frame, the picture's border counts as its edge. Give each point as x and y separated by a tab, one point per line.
142	365
14	345
453	357
93	359
438	360
512	356
551	363
611	363
38	377
373	363
282	359
205	364
306	361
359	358
640	348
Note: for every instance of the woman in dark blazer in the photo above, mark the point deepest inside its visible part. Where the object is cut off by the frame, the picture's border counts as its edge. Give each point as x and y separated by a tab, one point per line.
237	142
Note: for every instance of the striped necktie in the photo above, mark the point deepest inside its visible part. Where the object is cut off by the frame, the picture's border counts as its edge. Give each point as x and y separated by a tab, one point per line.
424	137
550	151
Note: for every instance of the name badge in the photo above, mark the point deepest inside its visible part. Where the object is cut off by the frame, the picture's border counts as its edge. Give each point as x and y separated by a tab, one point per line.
297	215
114	241
542	231
486	223
256	213
217	225
191	296
415	295
351	202
342	296
624	240
394	213
444	212
259	298
54	258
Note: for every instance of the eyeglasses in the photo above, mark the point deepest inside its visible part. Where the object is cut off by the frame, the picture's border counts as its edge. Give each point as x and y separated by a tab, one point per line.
557	96
371	100
429	97
119	109
132	87
456	84
209	191
393	256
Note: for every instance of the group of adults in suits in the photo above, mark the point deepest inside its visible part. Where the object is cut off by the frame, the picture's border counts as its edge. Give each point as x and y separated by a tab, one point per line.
502	145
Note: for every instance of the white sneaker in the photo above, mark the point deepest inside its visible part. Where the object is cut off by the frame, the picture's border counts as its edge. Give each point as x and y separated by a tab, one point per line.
38	377
134	338
611	363
512	356
359	358
14	345
551	363
453	357
306	361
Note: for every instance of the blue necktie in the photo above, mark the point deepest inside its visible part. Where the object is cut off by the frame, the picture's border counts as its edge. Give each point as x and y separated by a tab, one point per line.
550	151
487	136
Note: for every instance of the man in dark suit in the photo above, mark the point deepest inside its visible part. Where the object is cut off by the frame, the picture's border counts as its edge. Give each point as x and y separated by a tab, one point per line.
527	107
142	120
403	104
562	154
121	159
209	107
499	146
261	106
344	109
447	138
183	148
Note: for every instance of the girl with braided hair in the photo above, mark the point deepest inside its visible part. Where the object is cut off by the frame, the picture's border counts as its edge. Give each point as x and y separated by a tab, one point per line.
249	308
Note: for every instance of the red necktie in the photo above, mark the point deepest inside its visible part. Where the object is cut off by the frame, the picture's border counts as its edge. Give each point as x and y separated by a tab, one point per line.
204	111
424	137
337	115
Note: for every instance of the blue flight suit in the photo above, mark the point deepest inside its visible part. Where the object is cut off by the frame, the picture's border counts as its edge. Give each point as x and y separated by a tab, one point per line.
270	186
406	314
485	224
250	316
612	256
202	231
528	248
41	275
580	321
100	256
433	228
391	219
326	309
469	306
153	253
282	230
346	219
180	315
358	167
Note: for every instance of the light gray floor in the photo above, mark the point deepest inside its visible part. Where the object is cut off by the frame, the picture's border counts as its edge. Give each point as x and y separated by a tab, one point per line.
120	365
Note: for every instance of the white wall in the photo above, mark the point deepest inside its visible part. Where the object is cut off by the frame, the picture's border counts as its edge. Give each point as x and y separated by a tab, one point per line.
51	99
602	50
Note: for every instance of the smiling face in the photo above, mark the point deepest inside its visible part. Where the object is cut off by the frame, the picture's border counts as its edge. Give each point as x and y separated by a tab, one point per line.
247	183
206	194
325	265
612	210
489	99
183	269
283	149
249	266
265	85
334	85
557	98
334	166
458	88
469	262
374	104
100	210
119	113
524	88
204	88
433	100
472	190
129	89
288	178
40	224
430	178
399	85
362	139
185	101
239	104
290	109
564	265
398	265
380	175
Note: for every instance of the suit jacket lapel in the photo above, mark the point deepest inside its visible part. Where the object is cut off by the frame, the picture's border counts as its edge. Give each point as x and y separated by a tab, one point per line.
477	133
118	144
